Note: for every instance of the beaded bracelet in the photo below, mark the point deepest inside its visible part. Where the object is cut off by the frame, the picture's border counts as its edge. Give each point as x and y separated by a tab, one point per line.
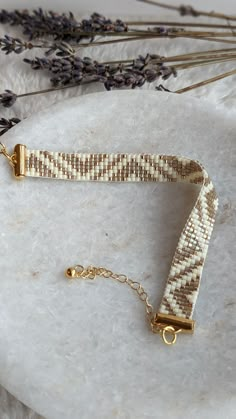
176	309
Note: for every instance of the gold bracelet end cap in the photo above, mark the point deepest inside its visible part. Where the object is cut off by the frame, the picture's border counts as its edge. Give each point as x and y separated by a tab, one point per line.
186	325
19	164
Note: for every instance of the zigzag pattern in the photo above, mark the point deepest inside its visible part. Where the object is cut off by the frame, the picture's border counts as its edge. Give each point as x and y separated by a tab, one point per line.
186	269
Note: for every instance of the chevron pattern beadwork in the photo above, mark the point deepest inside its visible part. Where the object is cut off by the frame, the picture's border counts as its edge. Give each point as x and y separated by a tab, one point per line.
186	269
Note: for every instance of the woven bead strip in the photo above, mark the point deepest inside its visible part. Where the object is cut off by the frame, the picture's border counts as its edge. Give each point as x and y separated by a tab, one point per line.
186	269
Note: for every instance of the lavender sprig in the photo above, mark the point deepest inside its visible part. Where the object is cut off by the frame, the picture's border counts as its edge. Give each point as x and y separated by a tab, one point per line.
137	83
8	98
6	124
41	23
185	10
8	44
74	69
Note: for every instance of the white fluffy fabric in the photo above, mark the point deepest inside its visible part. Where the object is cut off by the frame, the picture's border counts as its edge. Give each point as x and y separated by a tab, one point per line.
18	76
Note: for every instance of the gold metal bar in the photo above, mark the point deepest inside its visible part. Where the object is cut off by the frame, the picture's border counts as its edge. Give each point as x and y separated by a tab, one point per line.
186	325
19	152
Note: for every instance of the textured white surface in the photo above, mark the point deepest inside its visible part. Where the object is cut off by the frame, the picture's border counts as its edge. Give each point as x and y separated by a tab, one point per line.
83	350
18	77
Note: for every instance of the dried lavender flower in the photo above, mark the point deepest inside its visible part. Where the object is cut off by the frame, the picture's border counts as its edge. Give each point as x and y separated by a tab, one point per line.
188	11
62	26
165	31
167	71
71	70
38	22
62	49
141	62
6	124
9	44
13	18
125	79
8	98
98	23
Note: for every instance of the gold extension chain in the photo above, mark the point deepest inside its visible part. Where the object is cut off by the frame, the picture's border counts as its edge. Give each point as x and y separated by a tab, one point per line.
91	272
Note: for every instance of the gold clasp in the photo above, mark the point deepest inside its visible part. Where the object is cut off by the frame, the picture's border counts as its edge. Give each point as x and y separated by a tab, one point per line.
74	272
169	326
167	332
78	271
16	160
10	158
172	332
